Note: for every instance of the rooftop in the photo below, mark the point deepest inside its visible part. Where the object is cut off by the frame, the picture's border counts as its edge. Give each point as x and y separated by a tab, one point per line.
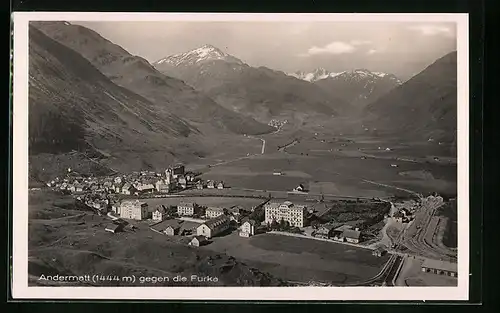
251	222
350	233
216	221
440	265
215	209
161	226
161	208
343	228
200	238
113	227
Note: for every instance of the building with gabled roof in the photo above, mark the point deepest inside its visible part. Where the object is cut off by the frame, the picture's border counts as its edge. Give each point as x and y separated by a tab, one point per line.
114	228
186	209
214	226
213	212
134	210
248	228
160	213
199	185
198	241
352	236
324	231
440	267
379	252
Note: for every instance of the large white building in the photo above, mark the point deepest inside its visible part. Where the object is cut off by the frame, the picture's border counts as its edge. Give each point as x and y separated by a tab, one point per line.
289	212
135	210
186	209
213	212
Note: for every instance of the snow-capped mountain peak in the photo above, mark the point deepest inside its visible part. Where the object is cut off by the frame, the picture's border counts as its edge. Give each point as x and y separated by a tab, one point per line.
204	53
317	74
355	74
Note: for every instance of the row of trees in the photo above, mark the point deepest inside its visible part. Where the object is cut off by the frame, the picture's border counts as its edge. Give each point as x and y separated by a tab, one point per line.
283	225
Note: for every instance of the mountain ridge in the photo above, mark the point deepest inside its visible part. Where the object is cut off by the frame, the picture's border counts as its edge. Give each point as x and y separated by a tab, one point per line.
75	112
207	52
424	107
169	95
259	92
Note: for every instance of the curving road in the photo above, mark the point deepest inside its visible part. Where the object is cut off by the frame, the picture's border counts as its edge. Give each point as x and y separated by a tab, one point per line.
263	149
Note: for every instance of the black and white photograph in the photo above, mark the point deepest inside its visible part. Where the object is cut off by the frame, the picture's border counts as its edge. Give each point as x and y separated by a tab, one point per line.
307	156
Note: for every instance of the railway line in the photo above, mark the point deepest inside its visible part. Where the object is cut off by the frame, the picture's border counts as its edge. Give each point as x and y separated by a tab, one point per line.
420	237
388	273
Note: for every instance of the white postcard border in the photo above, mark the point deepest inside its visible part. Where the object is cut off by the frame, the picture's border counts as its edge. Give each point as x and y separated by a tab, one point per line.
20	287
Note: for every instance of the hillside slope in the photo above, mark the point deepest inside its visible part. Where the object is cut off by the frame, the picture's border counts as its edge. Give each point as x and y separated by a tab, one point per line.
74	108
260	92
423	108
169	95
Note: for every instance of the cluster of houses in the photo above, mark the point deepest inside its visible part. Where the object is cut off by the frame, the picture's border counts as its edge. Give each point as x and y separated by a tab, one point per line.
203	223
403	216
136	183
405	211
139	210
277	123
343	233
210	184
216	221
97	202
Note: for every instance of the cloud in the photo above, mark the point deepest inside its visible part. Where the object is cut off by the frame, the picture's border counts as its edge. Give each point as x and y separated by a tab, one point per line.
360	42
336	47
433	30
376	50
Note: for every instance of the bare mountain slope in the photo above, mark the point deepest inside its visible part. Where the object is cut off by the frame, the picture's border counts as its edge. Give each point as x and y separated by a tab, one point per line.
424	107
75	108
169	95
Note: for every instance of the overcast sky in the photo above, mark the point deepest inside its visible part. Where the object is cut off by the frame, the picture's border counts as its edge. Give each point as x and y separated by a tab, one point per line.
400	48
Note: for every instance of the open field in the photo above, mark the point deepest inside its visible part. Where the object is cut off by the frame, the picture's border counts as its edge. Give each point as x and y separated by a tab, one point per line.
339	164
205	201
334	174
301	259
77	244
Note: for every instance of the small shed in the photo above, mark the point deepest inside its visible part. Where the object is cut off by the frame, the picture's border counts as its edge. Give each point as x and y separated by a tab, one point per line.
352	236
114	228
172	230
379	252
198	241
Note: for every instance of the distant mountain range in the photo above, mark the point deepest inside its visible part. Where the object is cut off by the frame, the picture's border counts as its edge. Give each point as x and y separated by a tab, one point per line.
259	92
423	108
91	97
357	87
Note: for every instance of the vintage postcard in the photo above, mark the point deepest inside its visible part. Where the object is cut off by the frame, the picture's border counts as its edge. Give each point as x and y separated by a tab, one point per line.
240	156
